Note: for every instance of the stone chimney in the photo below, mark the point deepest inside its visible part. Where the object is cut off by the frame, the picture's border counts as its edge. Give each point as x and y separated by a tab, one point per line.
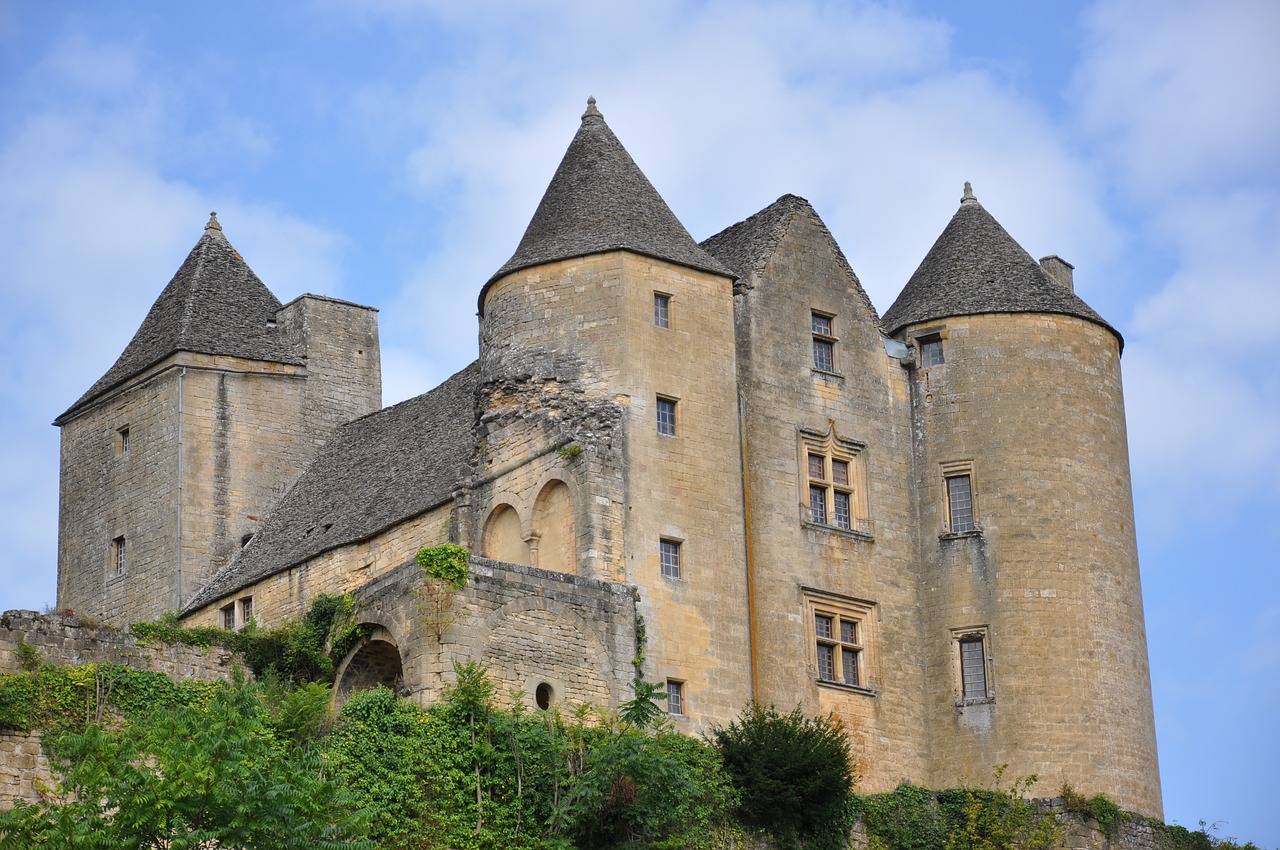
1058	269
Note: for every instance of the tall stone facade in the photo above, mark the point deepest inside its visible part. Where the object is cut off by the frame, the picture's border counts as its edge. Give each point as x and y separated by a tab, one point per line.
717	461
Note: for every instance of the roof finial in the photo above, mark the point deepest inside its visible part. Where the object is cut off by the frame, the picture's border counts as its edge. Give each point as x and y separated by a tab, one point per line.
968	197
591	112
213	223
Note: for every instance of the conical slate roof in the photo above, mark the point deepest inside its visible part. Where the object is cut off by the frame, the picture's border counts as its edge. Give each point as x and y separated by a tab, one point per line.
215	304
598	201
976	267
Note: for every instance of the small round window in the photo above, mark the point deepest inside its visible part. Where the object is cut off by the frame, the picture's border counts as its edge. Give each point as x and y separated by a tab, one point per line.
542	696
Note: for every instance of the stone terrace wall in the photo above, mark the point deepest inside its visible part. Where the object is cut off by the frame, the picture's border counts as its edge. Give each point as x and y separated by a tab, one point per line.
67	640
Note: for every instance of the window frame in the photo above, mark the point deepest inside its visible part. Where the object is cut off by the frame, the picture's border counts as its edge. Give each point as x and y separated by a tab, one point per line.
822	326
122	440
932	352
953	472
962	665
119	556
672	569
821	456
677	703
668	426
662	310
844	650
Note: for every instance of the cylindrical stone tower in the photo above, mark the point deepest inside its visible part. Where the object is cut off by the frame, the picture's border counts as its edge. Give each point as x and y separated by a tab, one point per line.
1034	635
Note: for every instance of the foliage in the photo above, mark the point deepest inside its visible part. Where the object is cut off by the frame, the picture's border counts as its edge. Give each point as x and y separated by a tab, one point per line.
641	711
1171	836
1108	815
29	658
293	651
998	819
448	563
569	452
907	819
188	777
794	775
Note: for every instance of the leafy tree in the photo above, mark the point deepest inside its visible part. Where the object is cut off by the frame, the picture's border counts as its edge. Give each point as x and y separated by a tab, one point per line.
186	778
794	775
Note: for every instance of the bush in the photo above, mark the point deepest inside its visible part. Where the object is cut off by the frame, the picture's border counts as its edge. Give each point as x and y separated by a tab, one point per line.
793	773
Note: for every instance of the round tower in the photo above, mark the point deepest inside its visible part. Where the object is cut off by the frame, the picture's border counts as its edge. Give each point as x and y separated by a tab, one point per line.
1035	643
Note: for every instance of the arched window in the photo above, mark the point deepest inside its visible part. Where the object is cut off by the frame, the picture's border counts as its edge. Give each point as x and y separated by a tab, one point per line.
504	538
553	523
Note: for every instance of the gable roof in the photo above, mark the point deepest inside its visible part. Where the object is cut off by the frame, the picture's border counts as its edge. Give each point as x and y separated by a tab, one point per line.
214	304
976	267
373	473
747	246
598	201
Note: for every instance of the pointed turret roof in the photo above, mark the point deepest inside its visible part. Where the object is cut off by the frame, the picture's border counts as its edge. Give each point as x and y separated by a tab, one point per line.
215	304
598	201
976	267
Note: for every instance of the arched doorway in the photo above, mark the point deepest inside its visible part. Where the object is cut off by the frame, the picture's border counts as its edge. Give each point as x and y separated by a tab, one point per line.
374	661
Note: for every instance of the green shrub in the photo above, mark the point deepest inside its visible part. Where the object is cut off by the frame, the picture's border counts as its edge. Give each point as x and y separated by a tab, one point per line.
793	773
448	563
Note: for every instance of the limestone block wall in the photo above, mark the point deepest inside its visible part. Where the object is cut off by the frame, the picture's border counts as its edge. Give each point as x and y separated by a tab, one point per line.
288	594
857	412
339	341
1033	405
530	627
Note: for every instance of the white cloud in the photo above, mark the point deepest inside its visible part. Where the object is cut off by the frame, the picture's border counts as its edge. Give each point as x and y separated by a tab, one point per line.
1183	91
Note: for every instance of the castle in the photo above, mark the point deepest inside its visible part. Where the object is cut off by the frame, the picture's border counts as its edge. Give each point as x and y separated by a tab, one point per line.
715	460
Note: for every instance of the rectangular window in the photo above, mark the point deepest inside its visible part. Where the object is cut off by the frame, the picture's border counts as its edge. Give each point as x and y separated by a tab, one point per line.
229	617
661	310
839	652
931	352
118	555
666	417
669	554
959	504
122	440
833	472
973	668
675	697
246	610
824	343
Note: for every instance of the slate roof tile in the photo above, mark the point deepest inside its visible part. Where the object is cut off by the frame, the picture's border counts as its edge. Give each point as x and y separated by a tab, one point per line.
976	267
599	201
214	304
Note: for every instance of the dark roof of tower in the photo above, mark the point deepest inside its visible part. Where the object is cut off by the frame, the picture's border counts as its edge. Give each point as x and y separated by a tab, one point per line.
373	473
746	247
215	304
598	201
976	267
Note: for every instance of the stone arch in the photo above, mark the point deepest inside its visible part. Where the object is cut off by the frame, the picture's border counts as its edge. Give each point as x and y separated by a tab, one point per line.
503	538
374	661
554	526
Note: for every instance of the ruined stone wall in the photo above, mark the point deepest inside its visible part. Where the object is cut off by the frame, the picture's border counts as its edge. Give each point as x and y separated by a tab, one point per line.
67	640
856	412
528	626
288	594
1031	406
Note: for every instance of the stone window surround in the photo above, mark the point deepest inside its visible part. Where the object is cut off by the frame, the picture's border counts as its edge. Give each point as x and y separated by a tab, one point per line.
954	470
238	613
122	440
969	635
830	446
849	609
671	558
923	336
119	564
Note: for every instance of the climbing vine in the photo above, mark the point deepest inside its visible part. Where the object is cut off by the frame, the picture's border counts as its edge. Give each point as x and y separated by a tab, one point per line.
444	573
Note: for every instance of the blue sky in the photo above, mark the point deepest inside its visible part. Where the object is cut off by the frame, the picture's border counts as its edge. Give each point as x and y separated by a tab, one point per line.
392	151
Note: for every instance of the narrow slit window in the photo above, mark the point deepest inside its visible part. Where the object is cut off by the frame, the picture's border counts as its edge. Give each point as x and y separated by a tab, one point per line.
118	555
